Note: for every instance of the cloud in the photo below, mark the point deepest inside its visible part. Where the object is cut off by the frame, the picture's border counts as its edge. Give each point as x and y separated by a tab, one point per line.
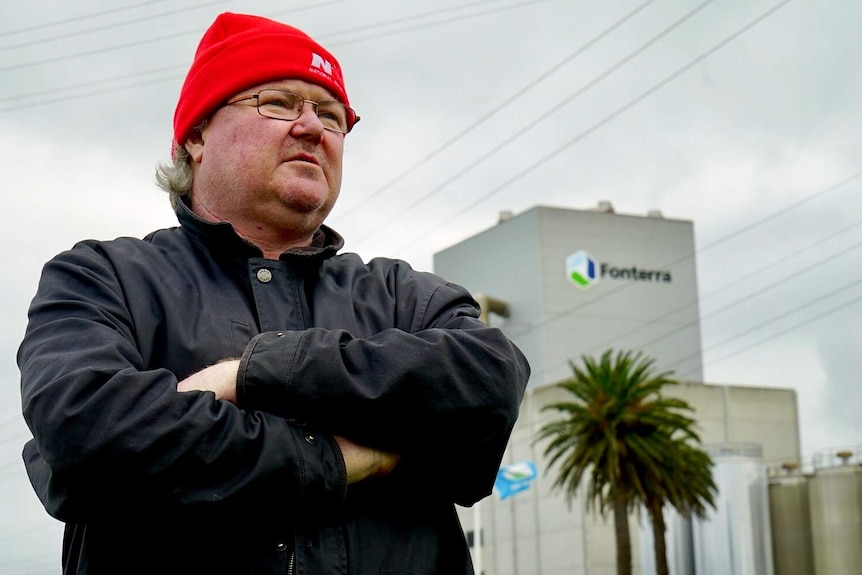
767	121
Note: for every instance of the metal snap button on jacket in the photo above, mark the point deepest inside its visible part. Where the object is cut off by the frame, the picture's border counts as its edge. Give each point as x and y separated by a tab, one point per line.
264	275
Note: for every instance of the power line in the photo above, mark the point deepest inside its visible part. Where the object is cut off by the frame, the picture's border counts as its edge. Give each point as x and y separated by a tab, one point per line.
677	328
79	18
747	297
772	336
709	52
97	51
421	16
66	88
721	240
818	194
67	97
91	94
782	315
151	40
610	117
134	44
112	26
765	268
448	21
496	109
536	121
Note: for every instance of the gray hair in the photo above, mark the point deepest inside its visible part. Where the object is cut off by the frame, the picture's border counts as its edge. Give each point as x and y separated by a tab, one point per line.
175	177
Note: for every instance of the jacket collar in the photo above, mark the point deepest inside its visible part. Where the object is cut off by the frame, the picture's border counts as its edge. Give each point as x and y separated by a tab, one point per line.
221	237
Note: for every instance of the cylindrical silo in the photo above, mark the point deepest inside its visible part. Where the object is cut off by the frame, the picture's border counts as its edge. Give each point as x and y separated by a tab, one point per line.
835	496
790	523
735	536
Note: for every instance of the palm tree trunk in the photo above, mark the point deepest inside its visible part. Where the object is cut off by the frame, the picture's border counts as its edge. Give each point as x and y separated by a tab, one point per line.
621	527
659	543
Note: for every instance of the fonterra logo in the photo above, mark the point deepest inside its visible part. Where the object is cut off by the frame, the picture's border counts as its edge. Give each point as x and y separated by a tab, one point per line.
583	271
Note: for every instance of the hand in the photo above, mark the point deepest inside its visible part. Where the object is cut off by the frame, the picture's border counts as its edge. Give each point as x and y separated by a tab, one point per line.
219	378
364	462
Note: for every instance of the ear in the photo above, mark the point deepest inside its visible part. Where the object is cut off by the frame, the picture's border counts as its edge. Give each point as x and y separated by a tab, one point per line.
195	146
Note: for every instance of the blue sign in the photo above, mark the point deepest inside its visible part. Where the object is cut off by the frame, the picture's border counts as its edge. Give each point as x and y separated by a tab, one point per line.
514	478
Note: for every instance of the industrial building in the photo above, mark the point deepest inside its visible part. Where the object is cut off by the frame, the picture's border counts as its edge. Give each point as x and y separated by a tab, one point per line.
563	283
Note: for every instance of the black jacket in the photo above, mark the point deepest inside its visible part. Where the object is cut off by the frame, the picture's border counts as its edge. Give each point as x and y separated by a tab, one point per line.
149	480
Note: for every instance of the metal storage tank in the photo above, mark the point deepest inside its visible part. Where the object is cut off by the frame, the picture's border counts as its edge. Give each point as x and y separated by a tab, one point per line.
790	522
680	550
835	495
735	537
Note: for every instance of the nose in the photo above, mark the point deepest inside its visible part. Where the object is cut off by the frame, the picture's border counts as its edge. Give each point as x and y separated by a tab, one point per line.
307	125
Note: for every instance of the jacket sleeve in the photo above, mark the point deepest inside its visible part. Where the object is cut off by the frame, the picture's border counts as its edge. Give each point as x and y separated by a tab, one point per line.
445	393
111	434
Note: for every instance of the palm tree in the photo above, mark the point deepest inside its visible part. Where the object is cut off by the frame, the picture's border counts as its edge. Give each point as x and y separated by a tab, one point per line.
687	485
635	444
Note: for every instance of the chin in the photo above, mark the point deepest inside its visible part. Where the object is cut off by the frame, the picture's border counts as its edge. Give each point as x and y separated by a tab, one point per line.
309	197
311	213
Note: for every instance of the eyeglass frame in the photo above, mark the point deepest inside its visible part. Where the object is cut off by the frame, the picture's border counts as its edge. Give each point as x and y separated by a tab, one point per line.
315	104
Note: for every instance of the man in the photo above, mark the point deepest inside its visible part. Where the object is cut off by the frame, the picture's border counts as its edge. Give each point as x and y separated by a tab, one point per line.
232	396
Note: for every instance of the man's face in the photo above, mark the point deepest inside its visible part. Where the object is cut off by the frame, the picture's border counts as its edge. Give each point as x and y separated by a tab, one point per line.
267	176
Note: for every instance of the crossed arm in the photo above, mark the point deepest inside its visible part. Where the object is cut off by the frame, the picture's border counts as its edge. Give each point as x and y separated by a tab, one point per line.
361	462
108	421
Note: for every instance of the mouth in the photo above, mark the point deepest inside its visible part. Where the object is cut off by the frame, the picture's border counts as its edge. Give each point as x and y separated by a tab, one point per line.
307	158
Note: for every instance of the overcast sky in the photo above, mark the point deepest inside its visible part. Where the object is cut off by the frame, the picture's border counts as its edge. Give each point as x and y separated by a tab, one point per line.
740	115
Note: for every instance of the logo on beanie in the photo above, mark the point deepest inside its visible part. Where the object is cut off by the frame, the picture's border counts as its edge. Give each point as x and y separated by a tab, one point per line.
321	63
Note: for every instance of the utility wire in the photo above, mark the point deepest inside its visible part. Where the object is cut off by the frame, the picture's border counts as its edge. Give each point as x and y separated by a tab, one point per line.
772	336
541	118
90	84
162	14
437	23
680	327
601	123
67	97
79	18
818	194
96	51
93	93
179	69
151	40
134	44
719	241
747	297
401	20
773	319
496	109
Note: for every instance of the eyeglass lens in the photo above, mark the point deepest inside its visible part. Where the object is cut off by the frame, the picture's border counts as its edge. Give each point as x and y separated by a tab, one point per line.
284	105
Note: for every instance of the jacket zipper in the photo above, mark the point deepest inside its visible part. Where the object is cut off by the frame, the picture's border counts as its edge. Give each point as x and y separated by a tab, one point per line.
290	562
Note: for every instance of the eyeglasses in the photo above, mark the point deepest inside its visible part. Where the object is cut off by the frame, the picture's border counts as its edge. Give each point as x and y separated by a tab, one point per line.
284	105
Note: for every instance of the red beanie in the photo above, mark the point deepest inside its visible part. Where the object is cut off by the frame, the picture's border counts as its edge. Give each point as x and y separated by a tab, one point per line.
239	52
